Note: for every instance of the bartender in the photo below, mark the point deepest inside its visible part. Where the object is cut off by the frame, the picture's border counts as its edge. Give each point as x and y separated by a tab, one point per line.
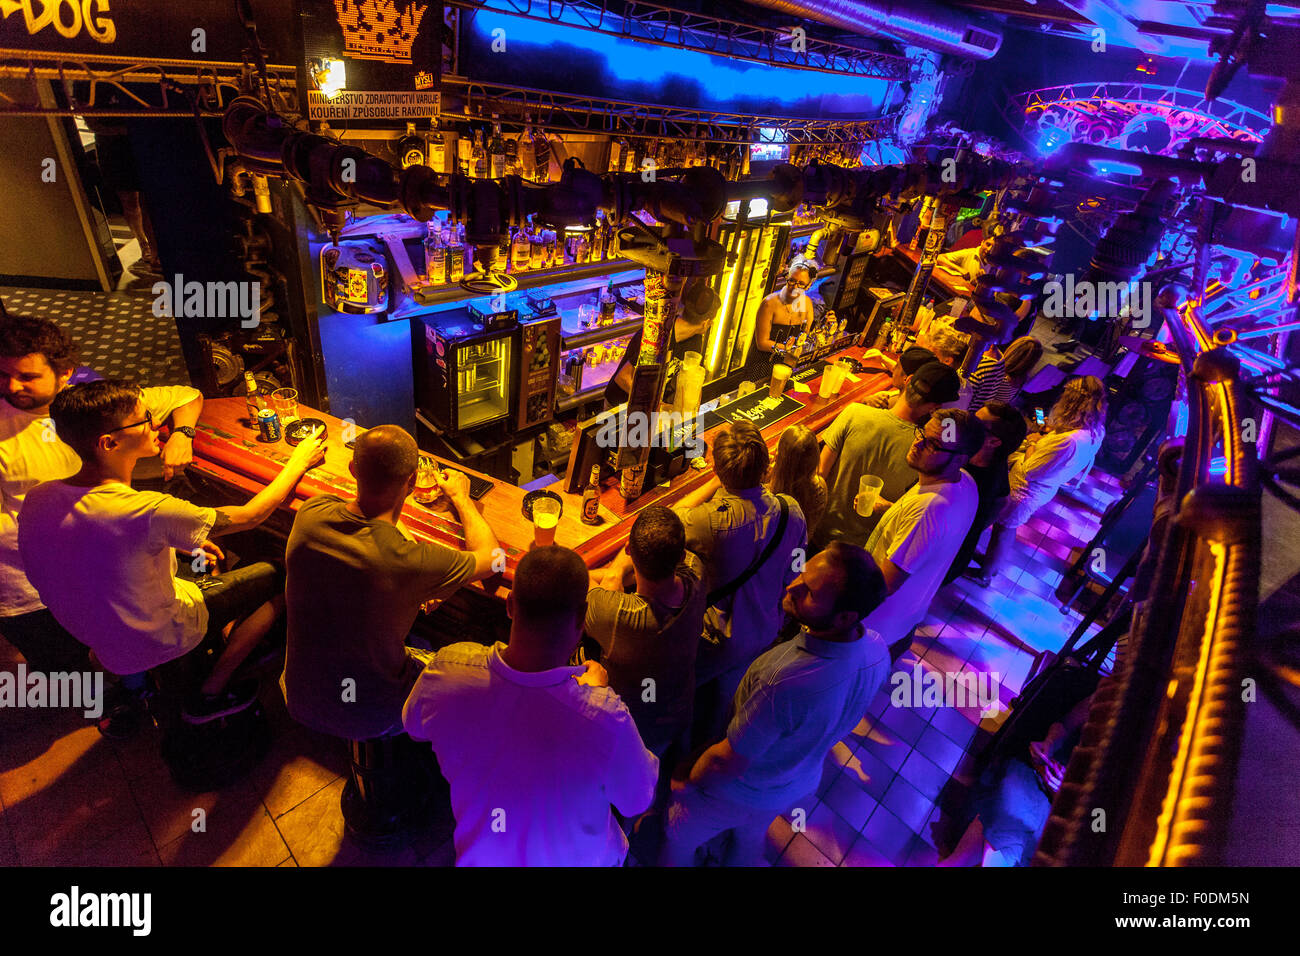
781	317
699	306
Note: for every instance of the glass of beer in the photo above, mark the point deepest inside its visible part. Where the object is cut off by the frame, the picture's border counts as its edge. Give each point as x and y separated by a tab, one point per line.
780	375
426	480
868	492
546	515
285	402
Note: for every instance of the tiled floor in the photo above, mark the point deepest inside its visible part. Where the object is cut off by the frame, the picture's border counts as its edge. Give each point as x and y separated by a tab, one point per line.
69	796
879	801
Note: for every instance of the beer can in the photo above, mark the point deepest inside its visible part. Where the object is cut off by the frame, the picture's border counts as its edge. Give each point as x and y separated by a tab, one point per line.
268	423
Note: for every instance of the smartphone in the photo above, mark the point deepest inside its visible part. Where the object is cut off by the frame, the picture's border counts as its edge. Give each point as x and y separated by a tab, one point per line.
1040	417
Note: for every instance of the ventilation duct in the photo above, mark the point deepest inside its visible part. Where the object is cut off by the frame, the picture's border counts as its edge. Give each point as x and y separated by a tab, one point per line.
917	22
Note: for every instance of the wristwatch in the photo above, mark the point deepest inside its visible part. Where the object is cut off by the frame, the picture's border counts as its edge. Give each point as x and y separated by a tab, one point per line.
186	430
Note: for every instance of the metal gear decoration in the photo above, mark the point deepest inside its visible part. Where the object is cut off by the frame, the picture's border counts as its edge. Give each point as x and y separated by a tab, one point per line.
1136	116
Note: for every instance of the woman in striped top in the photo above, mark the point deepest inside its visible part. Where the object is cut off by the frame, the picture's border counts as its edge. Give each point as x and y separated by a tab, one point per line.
1000	375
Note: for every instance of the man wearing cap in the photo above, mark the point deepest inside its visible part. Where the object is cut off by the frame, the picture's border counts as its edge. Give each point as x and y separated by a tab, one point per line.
911	360
876	441
699	305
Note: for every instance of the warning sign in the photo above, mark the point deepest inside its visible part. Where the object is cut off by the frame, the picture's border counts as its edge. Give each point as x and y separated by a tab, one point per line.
362	105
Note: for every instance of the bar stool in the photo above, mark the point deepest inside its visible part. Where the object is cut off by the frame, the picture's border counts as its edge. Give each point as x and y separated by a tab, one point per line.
394	786
212	754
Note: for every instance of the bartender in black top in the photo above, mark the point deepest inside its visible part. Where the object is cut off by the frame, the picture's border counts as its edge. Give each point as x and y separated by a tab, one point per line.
782	315
699	306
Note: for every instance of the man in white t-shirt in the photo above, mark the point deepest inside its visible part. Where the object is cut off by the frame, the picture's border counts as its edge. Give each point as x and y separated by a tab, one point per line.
103	556
536	752
915	541
37	359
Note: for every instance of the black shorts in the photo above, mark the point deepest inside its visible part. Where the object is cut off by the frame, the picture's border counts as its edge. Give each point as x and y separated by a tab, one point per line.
233	595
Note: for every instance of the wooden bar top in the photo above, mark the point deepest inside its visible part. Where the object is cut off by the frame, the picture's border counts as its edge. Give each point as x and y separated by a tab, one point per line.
228	451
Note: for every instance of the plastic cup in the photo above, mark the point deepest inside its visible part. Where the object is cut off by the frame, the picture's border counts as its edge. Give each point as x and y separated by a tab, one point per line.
546	515
846	369
868	492
832	379
285	402
780	375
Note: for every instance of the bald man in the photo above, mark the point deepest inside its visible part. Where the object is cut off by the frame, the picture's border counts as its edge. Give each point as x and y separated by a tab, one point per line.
355	581
536	751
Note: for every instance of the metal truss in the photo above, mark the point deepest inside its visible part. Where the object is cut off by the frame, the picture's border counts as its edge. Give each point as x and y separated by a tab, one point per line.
651	23
182	85
567	113
1103	113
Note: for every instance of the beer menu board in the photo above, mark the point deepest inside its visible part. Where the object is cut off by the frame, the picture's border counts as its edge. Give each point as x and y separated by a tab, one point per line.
757	407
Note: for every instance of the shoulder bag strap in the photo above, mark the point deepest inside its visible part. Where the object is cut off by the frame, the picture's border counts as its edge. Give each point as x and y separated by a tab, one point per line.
724	592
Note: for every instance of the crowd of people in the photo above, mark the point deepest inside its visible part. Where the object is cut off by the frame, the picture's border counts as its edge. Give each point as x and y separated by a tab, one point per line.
741	634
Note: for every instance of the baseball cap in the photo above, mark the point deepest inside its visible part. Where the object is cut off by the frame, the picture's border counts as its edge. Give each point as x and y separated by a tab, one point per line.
913	358
937	382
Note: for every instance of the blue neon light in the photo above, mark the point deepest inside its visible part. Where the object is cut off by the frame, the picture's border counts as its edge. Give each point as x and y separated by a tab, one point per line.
1112	168
720	79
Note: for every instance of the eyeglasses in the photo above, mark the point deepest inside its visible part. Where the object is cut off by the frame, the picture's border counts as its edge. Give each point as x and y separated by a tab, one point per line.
148	420
928	442
802	285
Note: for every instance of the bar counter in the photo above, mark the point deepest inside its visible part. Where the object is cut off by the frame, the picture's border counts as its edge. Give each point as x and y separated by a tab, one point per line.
230	453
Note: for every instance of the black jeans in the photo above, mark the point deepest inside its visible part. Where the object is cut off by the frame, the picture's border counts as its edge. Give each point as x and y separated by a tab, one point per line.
44	642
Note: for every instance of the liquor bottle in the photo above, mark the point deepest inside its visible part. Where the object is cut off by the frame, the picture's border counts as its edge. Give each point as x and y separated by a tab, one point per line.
497	150
632	156
527	148
435	254
512	156
520	250
598	238
480	160
542	157
616	147
455	259
437	150
465	153
503	251
254	401
411	148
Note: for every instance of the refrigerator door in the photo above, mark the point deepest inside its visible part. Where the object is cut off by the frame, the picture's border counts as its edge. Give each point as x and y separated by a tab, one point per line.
483	380
741	289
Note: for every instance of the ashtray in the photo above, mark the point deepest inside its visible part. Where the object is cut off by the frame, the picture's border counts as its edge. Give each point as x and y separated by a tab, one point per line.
295	432
533	496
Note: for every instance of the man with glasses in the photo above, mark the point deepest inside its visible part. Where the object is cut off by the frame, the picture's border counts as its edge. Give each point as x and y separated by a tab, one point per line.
915	541
37	360
102	555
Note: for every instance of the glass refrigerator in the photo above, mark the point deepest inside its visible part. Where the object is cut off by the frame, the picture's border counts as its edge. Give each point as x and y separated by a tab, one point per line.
463	371
759	246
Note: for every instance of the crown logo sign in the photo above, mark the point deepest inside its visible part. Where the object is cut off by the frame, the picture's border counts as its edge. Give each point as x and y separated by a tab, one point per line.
374	30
